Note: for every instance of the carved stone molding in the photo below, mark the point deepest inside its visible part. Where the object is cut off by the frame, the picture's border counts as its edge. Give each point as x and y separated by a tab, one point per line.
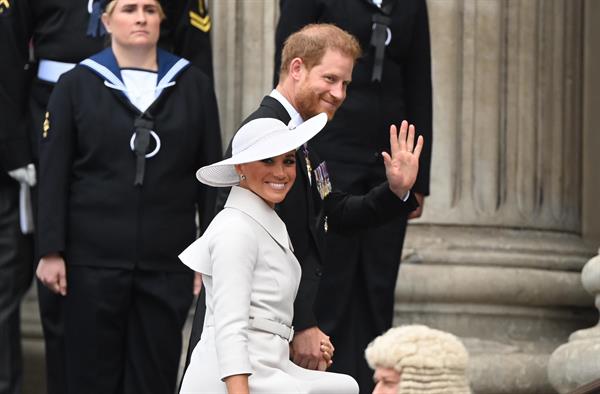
576	363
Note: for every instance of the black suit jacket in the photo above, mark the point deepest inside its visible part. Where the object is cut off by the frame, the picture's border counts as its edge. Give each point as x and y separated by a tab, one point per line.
308	217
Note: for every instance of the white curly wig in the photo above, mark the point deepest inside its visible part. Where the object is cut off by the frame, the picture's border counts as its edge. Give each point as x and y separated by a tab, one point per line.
429	361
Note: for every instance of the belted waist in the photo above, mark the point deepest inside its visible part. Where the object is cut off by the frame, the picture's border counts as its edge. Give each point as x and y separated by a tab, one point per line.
50	70
266	325
262	324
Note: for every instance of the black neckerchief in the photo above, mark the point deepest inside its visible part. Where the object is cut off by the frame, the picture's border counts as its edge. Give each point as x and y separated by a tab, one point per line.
381	22
95	26
141	127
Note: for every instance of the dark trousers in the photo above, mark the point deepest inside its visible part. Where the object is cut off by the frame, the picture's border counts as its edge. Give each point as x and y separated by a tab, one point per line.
355	302
197	325
196	332
123	329
16	267
52	316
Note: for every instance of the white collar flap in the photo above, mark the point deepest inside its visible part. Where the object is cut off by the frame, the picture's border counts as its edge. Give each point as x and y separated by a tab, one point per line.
246	201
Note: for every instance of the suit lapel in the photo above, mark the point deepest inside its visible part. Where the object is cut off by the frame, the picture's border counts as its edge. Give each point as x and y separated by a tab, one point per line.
275	106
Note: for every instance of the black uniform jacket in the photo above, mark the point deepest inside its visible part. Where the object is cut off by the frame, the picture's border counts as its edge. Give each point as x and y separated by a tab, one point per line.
307	216
15	149
360	129
89	208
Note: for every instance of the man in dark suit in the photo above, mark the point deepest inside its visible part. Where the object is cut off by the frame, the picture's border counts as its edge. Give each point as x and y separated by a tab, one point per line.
391	82
316	70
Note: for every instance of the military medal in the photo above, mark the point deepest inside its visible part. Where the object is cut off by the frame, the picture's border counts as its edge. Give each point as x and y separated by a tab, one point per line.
323	181
46	125
308	165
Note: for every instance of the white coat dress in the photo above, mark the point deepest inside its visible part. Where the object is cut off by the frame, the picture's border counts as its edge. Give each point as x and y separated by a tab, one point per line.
249	271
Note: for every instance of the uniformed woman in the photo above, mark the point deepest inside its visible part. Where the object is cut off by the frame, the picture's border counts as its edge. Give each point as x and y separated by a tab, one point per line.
124	132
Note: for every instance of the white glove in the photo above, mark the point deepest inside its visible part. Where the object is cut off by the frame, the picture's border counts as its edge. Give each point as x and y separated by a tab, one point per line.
26	177
25	174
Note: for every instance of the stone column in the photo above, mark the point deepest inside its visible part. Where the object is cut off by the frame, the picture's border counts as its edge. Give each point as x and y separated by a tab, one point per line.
576	363
496	257
243	52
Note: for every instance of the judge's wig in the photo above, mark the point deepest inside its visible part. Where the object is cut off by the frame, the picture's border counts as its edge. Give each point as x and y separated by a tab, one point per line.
428	360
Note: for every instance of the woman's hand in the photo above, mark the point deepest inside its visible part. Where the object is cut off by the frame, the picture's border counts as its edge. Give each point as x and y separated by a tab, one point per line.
306	349
52	272
327	350
237	384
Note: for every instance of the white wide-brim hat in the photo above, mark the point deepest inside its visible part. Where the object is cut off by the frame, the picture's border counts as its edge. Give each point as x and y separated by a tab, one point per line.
257	140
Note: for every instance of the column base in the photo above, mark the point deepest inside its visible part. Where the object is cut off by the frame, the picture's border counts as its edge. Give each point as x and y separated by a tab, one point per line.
513	296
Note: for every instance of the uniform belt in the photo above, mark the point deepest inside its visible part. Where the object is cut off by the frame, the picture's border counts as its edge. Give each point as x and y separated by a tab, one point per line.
50	70
262	324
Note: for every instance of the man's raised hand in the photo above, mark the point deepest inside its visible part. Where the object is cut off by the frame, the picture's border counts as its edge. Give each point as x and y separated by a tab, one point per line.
402	166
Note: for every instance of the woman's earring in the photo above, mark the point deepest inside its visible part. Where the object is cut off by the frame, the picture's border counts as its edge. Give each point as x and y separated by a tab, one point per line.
242	177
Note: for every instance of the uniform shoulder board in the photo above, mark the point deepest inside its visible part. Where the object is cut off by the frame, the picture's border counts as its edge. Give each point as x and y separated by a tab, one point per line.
4	7
199	17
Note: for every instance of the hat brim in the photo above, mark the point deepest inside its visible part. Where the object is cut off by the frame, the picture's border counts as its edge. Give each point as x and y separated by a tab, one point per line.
278	142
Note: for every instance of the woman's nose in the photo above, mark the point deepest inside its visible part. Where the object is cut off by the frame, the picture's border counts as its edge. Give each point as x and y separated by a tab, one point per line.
140	16
278	171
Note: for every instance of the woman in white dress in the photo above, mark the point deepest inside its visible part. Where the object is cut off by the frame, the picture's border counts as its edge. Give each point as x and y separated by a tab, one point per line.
250	274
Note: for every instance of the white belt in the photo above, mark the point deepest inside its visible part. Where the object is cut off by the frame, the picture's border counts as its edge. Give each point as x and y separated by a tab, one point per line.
262	324
50	71
283	330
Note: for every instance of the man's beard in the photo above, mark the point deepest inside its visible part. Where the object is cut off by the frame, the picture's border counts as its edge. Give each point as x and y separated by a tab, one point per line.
308	103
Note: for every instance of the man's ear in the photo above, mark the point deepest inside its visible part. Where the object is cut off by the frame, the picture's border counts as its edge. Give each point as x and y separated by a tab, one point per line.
297	67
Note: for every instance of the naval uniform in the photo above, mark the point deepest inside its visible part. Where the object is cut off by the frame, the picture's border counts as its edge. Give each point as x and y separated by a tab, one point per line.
16	260
62	33
118	202
390	82
309	214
